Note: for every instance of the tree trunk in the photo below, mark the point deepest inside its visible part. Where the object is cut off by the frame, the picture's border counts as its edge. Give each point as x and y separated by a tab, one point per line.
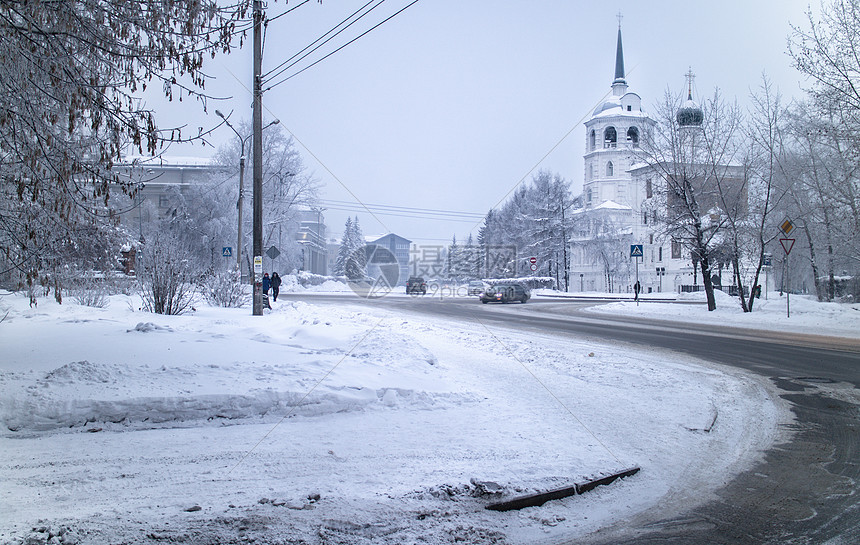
819	290
739	283
709	286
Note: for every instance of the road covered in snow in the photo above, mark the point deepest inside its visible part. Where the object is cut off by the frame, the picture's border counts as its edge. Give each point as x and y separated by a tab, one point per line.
346	424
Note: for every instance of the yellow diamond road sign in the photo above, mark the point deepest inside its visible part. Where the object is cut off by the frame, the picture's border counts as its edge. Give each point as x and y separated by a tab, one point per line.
786	226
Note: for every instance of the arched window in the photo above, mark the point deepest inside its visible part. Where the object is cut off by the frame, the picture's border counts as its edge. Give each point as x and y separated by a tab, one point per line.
588	196
609	168
591	140
633	136
610	138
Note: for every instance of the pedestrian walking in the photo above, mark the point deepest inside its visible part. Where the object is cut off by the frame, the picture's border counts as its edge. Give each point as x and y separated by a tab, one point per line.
266	283
276	285
637	287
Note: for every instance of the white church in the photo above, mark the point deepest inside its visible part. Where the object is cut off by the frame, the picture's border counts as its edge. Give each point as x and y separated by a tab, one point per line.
618	200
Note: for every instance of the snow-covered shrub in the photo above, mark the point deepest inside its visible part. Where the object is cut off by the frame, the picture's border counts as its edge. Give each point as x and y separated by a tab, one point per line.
90	292
224	289
165	275
531	282
307	279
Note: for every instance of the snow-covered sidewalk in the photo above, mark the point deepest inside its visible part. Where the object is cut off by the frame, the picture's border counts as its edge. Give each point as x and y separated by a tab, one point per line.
345	425
801	314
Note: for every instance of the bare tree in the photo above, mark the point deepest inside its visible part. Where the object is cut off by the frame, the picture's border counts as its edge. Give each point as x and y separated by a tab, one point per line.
828	51
826	133
752	230
822	186
165	274
70	72
287	186
694	153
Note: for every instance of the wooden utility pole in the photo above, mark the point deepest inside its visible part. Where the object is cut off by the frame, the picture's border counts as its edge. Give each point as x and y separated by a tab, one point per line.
258	159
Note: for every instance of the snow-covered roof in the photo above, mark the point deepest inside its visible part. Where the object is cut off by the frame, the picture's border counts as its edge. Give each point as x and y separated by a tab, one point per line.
612	205
167	161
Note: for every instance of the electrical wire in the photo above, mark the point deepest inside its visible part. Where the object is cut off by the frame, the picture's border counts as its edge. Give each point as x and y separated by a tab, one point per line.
344	45
360	208
395	208
278	70
276	17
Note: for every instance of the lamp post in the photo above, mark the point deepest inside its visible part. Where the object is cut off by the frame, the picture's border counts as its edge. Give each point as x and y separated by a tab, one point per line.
661	272
242	141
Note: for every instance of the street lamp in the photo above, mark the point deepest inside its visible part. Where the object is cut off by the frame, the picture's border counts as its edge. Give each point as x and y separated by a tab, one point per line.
661	272
242	141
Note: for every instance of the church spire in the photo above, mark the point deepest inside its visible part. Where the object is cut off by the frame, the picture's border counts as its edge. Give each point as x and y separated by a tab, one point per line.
619	84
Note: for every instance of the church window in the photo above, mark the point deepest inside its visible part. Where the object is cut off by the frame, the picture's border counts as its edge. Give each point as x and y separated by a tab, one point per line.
633	136
609	168
676	249
650	238
645	218
588	196
659	253
591	140
590	171
610	138
649	190
629	108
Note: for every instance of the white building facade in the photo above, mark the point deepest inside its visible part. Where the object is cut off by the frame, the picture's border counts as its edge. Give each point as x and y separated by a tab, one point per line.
617	204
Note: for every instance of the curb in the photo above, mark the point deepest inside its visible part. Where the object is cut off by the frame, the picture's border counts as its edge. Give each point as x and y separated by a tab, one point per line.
536	500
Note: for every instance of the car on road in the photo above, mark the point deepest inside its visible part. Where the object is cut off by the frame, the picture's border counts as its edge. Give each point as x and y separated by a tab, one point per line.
416	285
476	287
506	293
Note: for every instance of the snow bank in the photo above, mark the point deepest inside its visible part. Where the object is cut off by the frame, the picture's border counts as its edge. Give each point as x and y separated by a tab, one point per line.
341	424
807	314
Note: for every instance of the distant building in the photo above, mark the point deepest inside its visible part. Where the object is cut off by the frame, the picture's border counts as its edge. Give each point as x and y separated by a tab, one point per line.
311	236
155	178
397	246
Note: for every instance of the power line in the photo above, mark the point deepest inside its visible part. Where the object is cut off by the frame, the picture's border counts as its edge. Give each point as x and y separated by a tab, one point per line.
425	217
278	70
344	45
396	208
276	17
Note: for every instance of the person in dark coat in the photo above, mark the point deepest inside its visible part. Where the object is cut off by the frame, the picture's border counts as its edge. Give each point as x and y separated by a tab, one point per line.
276	285
266	284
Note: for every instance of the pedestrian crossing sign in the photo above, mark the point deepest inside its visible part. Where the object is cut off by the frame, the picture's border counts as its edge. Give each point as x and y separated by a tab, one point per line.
227	251
636	250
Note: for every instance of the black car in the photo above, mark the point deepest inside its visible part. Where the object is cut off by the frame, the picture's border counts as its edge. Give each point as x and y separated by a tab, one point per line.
416	285
506	293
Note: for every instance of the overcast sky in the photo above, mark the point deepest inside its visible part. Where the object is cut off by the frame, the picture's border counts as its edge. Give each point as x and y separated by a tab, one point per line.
450	104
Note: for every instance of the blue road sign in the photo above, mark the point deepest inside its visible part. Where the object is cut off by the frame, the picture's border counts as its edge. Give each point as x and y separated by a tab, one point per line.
636	250
227	251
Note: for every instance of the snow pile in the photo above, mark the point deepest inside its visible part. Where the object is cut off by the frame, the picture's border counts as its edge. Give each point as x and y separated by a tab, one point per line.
807	315
338	424
313	282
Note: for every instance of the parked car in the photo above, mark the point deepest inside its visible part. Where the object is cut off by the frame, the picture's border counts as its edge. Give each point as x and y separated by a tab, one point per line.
476	287
506	293
416	285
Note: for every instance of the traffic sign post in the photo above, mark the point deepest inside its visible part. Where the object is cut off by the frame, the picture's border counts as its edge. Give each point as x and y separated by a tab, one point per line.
787	244
635	254
768	260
